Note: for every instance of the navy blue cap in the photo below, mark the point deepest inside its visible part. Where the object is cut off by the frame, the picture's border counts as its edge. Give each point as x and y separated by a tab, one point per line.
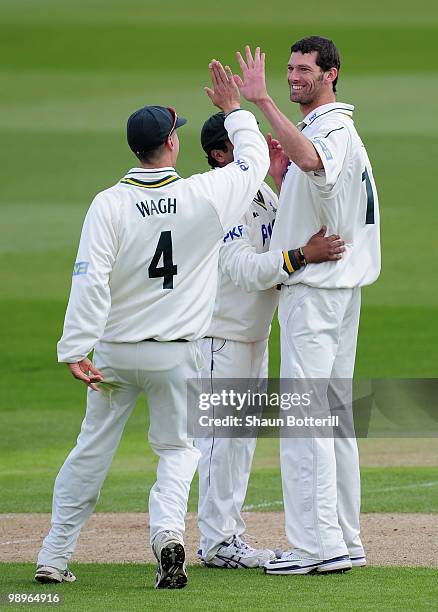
213	131
150	126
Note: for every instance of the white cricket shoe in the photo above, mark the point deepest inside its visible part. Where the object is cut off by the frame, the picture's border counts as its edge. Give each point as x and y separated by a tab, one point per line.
169	551
359	561
46	573
293	563
237	554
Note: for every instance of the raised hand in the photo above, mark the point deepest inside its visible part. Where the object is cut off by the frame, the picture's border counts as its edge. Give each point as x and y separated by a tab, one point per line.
252	84
225	93
321	248
278	158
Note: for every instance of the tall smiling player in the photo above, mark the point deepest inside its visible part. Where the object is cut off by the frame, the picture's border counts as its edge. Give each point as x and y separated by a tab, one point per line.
328	180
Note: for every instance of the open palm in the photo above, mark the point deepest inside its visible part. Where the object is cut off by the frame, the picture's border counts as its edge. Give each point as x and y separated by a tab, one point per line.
252	84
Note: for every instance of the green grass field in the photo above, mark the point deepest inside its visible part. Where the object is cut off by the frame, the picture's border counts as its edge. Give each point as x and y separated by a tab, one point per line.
40	438
71	74
103	587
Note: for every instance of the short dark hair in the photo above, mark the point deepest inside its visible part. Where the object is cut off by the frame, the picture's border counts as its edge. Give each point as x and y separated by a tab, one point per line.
149	157
222	146
327	54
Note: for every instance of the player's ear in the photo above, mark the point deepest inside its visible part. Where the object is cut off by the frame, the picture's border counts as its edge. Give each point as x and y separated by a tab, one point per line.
331	74
218	155
171	142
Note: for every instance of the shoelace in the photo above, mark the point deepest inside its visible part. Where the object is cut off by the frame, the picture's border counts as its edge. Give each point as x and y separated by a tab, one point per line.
240	543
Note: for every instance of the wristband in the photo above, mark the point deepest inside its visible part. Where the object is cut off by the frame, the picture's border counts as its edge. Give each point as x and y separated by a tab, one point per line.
290	264
303	260
287	264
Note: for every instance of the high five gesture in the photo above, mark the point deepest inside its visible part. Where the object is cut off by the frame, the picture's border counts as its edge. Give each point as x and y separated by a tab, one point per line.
225	93
252	86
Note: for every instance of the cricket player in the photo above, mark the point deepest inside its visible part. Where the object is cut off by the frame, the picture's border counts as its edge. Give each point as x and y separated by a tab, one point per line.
236	346
142	296
325	178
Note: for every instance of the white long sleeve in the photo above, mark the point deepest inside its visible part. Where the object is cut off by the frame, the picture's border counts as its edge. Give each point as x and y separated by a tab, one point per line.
231	189
248	269
90	298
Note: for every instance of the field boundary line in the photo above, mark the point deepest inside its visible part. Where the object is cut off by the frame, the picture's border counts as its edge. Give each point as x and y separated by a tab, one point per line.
262	505
420	485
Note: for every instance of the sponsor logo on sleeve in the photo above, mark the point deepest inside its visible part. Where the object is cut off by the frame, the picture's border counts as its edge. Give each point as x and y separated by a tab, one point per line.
243	165
80	267
236	232
324	148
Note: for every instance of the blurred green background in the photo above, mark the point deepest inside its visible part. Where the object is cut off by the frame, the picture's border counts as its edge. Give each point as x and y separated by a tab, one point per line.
72	72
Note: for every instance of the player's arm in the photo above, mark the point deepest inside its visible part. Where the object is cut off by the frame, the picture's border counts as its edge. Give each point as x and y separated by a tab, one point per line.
254	271
90	298
295	145
230	190
252	86
248	269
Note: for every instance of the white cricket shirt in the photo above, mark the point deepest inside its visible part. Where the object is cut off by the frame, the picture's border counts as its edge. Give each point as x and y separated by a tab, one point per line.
247	296
342	196
147	263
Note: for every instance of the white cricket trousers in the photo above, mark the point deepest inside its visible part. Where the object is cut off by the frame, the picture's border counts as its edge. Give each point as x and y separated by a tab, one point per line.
320	476
160	371
225	464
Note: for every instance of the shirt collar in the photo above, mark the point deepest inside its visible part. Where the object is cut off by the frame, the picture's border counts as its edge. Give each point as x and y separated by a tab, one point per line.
325	109
150	178
151	173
